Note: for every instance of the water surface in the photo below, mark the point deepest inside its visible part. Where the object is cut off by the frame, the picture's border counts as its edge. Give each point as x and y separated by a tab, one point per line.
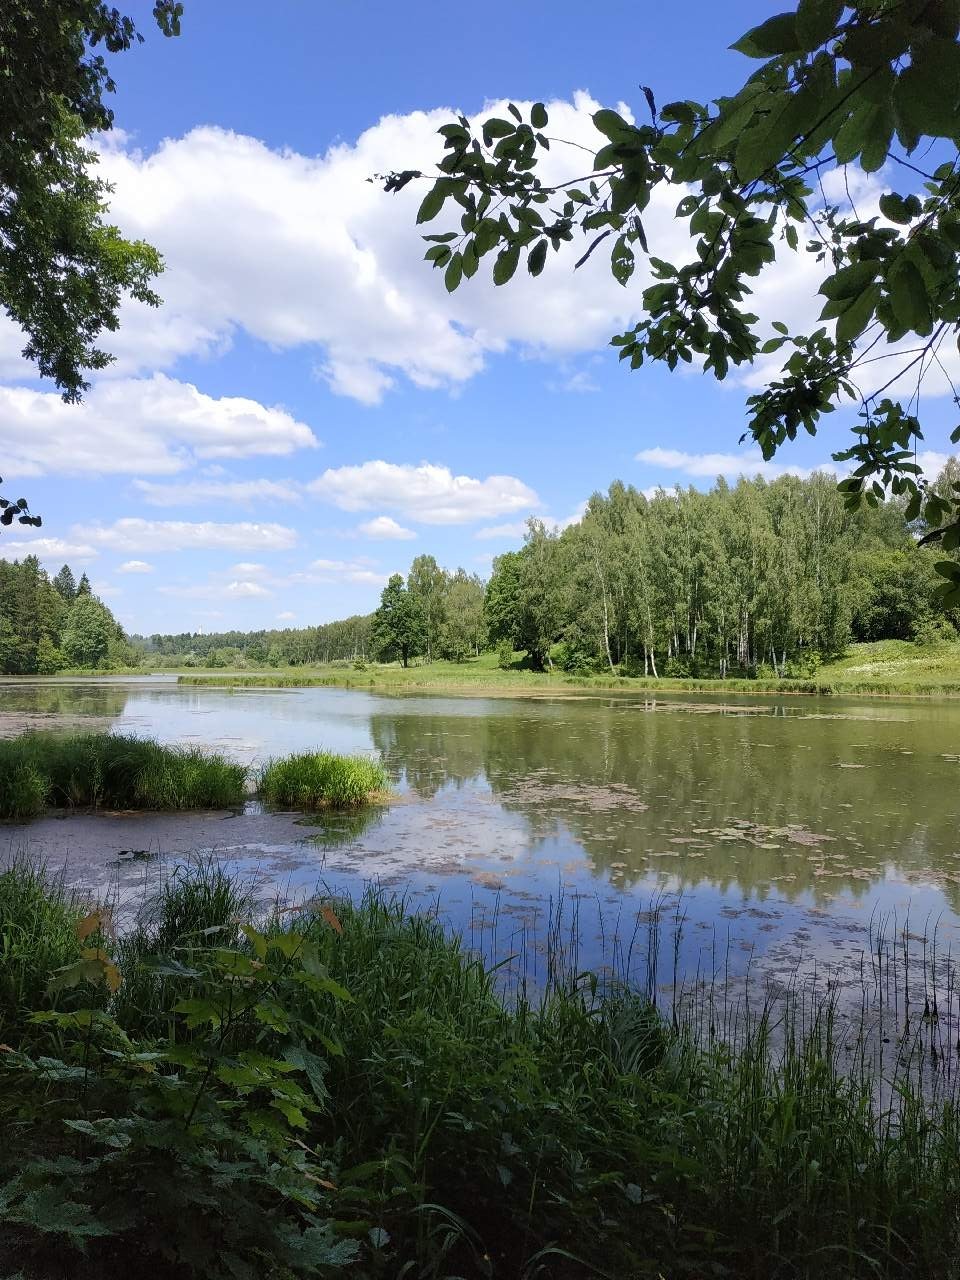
781	830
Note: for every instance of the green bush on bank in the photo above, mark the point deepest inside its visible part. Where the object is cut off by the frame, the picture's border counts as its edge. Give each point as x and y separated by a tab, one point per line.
343	1086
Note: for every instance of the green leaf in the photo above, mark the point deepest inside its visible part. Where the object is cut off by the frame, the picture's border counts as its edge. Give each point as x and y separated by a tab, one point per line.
537	257
777	35
926	94
432	203
895	208
497	128
506	264
454	272
858	314
909	298
611	125
849	281
538	116
817	21
955	435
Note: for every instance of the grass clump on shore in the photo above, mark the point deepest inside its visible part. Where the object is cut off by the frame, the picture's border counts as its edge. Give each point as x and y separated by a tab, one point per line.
111	771
343	1087
320	780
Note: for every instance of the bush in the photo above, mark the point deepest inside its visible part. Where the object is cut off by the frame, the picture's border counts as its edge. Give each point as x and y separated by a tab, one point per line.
504	655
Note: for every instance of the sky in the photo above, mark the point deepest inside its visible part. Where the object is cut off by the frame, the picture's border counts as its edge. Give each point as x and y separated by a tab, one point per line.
309	409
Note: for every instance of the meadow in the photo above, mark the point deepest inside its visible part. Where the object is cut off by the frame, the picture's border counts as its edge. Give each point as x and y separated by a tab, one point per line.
881	668
237	1088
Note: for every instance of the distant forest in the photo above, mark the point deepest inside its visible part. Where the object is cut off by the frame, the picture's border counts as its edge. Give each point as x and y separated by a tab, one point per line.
53	624
756	577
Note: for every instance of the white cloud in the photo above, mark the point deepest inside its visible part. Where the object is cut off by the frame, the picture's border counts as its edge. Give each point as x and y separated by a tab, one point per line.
58	549
730	465
135	566
259	240
106	590
286	616
512	529
199	492
213	590
385	527
134	534
515	529
428	493
326	571
153	425
247	569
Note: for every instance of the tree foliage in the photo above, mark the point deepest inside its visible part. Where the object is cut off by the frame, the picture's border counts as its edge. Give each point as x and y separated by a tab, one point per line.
63	267
755	578
45	626
872	87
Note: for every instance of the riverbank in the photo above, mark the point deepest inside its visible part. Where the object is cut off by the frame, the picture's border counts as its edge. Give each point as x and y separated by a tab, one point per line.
342	1084
887	668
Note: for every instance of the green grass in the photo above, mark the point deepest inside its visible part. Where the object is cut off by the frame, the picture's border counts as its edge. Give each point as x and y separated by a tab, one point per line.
885	668
107	771
462	1131
38	919
320	780
40	771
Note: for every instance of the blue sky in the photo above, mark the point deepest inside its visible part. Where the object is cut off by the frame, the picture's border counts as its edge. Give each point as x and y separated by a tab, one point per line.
309	410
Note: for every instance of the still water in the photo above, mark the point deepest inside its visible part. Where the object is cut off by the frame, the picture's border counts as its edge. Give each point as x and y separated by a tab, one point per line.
783	833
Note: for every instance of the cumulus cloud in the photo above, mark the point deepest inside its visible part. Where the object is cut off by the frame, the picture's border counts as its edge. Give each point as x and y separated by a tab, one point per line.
385	527
152	426
59	549
238	590
134	534
428	493
286	616
258	240
515	529
710	465
191	493
135	566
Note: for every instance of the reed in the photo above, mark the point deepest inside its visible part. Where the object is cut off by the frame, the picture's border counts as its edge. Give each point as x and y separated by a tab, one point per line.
112	771
479	1128
320	780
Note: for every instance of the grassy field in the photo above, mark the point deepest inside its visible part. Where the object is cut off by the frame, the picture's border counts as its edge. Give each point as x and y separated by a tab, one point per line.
222	1094
887	667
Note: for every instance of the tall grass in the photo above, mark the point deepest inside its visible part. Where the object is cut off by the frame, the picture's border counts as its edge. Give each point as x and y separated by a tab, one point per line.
38	918
478	1132
320	780
108	771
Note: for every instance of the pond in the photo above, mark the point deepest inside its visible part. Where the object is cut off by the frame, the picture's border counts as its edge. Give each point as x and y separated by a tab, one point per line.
776	836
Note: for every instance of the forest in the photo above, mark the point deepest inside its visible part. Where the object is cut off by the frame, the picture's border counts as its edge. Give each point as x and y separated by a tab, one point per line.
755	578
52	624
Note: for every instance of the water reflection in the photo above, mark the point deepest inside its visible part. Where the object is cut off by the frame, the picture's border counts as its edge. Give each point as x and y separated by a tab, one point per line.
782	817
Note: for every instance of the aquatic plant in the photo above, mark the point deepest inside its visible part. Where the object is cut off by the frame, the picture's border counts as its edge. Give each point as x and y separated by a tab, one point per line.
38	918
353	1062
320	780
112	771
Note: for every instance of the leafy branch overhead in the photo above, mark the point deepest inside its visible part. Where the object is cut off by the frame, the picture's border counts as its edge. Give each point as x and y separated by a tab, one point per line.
872	86
63	268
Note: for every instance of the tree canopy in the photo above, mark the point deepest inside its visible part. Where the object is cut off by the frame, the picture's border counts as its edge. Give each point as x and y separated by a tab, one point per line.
872	87
63	268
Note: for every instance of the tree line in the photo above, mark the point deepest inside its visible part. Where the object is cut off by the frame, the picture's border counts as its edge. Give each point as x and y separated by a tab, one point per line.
49	624
754	577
